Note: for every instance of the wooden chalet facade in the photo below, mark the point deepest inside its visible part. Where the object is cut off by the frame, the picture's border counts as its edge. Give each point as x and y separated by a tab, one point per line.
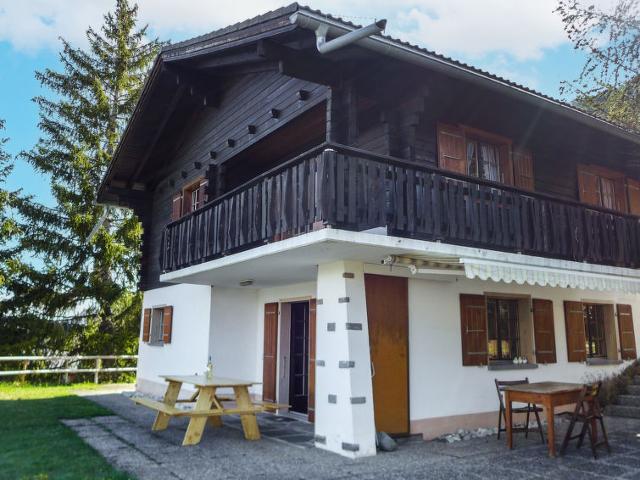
248	140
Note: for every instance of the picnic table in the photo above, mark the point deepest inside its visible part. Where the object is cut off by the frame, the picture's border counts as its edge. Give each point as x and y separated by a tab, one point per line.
547	394
209	406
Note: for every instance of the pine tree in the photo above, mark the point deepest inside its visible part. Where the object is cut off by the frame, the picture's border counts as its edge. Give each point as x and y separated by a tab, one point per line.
83	257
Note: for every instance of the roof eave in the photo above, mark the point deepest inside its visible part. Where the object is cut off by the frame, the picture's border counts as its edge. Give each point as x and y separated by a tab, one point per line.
307	18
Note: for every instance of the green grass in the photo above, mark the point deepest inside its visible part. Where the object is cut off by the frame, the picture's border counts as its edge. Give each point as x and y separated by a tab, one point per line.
34	445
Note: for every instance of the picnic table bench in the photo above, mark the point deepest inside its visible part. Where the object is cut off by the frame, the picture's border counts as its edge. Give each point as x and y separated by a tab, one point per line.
209	406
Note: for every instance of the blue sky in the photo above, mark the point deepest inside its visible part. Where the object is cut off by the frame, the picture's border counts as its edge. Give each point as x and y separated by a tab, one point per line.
522	40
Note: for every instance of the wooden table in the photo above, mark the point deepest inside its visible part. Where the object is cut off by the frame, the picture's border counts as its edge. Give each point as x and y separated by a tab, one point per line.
547	394
208	405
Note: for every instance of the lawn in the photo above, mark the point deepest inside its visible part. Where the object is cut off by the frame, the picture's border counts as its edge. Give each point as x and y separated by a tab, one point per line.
35	445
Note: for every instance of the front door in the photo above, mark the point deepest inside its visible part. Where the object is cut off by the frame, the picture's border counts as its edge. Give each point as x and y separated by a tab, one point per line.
299	353
388	319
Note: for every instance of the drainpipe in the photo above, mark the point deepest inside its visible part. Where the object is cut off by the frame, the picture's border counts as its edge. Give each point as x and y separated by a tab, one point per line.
322	30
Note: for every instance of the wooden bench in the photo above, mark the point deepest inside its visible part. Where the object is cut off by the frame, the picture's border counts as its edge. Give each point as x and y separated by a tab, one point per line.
178	412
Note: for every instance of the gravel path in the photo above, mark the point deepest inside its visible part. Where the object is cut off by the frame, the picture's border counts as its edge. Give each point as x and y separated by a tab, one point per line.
285	452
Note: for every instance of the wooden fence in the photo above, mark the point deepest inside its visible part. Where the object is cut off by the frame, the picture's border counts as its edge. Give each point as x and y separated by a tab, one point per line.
65	365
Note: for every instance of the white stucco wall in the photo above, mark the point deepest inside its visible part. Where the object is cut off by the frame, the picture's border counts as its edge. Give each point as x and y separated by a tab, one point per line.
233	336
440	386
227	323
189	348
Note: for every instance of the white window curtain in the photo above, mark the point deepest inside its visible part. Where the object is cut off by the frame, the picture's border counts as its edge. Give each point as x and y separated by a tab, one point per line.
489	160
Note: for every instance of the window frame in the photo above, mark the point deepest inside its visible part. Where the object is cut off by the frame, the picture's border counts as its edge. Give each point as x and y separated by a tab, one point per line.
616	180
460	136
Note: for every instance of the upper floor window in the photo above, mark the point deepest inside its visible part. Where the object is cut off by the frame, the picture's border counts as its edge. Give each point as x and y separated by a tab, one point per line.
608	188
191	198
483	160
481	154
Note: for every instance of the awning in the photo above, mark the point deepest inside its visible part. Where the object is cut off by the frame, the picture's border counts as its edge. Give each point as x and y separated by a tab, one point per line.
547	277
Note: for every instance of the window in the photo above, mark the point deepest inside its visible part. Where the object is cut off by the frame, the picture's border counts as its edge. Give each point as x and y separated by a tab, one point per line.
592	333
477	153
483	160
190	199
157	325
155	334
503	329
602	187
595	340
496	329
194	196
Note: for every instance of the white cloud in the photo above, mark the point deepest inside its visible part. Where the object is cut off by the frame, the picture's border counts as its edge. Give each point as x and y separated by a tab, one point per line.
471	28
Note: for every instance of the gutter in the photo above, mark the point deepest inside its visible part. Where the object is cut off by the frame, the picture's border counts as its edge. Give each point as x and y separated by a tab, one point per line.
385	46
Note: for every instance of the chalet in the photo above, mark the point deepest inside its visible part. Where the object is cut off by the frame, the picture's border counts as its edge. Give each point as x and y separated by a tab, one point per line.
372	230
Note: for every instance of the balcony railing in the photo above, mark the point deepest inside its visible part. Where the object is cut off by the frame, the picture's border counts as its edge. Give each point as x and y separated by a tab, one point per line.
356	190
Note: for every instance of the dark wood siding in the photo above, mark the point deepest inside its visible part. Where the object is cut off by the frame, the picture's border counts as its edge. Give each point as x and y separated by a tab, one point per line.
247	100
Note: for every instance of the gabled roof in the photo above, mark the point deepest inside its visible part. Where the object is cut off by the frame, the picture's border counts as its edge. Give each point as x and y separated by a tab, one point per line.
281	21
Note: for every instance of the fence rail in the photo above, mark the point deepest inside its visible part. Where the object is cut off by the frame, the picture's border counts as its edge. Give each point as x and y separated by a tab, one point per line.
63	363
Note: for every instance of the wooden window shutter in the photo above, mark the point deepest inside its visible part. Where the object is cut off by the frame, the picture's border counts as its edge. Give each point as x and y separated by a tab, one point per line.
473	319
633	196
588	186
176	207
452	152
167	321
574	325
627	335
621	194
311	402
146	324
523	169
506	164
202	194
270	354
544	331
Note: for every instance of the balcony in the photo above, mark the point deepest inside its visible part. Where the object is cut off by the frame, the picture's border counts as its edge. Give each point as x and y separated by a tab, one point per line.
346	188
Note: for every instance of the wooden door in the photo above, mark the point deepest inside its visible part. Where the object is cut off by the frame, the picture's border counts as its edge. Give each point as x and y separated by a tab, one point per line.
270	355
388	318
299	354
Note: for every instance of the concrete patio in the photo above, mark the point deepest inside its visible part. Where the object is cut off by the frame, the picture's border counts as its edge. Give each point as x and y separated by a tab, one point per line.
286	451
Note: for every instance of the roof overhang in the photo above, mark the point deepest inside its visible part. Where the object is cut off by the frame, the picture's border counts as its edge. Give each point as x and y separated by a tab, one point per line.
403	51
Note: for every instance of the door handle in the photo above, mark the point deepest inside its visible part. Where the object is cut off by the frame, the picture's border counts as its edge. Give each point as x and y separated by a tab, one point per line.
373	370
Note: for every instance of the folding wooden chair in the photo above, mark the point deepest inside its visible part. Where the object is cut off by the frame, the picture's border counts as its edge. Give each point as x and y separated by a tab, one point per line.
589	413
529	409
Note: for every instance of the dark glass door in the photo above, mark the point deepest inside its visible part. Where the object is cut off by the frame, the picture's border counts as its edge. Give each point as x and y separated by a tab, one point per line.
299	352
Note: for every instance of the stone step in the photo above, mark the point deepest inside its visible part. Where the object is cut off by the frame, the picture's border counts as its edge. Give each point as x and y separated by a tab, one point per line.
633	389
629	400
636	380
623	411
